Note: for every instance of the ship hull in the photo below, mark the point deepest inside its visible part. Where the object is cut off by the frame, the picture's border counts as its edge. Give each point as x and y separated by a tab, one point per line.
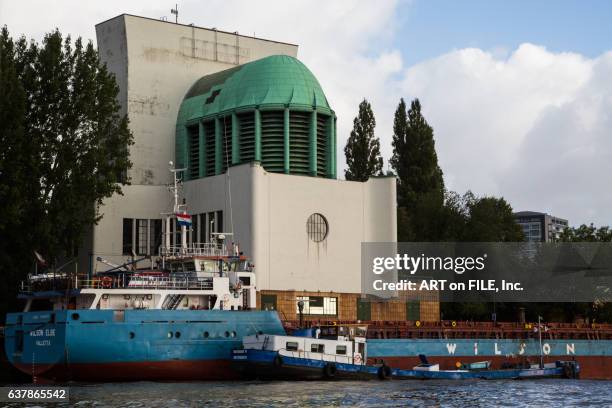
134	345
594	356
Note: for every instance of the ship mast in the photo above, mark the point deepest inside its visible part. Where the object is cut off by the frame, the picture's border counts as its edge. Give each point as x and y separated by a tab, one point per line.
176	209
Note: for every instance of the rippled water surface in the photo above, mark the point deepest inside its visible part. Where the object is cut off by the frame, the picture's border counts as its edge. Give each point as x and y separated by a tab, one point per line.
541	393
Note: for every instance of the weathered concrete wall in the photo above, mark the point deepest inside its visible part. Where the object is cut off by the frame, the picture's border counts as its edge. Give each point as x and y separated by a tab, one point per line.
270	212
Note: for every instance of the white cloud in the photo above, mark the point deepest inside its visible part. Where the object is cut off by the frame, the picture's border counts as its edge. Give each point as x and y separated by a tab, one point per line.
533	127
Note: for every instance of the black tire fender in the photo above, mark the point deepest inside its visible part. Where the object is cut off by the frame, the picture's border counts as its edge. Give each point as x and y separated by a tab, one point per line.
329	370
384	372
278	361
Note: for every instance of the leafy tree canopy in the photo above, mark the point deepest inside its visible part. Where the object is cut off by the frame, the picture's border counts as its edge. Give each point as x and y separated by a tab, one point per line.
362	148
65	146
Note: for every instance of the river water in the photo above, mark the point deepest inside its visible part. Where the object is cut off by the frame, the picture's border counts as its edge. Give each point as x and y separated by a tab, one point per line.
477	393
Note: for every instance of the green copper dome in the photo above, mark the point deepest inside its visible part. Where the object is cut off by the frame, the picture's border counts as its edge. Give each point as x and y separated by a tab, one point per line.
253	110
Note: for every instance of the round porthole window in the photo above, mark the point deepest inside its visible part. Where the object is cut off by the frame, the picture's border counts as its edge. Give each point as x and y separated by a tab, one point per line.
317	227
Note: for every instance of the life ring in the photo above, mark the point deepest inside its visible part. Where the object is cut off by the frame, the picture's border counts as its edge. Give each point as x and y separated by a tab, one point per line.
454	323
357	358
384	372
329	370
417	323
278	361
107	282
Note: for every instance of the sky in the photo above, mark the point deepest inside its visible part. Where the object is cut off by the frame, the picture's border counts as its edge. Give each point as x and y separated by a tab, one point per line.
518	93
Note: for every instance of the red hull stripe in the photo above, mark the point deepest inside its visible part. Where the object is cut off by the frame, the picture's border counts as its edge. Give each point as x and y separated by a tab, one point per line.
592	367
164	370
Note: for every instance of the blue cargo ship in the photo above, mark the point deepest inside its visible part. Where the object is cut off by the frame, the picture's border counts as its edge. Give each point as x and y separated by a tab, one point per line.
104	345
177	320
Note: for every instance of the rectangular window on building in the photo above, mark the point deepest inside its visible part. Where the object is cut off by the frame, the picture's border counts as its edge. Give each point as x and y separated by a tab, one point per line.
195	228
319	305
128	237
142	228
268	302
219	221
155	236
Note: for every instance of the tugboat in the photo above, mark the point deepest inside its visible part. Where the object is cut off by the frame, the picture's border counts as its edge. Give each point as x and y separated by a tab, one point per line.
327	352
177	321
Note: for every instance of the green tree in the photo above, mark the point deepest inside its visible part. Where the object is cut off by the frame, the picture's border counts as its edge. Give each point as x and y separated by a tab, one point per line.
362	148
68	146
586	233
596	311
490	219
420	186
12	169
414	156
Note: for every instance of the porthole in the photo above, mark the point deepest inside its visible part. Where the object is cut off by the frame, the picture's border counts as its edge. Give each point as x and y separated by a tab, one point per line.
132	335
317	227
227	334
233	334
260	332
170	335
75	316
177	334
206	334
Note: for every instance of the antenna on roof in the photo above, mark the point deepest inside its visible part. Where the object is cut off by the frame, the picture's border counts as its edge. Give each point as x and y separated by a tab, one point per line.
175	12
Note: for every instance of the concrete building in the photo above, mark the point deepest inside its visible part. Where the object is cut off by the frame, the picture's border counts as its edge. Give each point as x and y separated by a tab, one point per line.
540	227
256	134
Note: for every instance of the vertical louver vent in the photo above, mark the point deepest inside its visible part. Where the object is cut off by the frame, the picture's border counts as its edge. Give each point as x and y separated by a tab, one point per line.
226	142
322	135
209	132
272	140
193	166
299	125
247	136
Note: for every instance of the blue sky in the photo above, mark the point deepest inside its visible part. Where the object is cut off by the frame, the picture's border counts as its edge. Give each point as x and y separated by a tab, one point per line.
431	28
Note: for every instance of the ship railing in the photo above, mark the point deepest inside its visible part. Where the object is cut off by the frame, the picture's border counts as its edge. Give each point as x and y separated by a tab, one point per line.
46	282
195	249
188	283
